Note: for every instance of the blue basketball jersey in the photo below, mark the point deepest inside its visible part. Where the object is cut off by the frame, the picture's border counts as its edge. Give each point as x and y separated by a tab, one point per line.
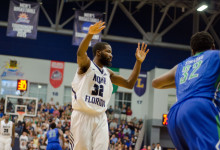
193	122
199	76
53	136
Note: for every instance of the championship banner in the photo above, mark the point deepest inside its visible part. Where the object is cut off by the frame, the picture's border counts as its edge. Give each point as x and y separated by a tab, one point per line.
140	85
23	19
82	21
56	73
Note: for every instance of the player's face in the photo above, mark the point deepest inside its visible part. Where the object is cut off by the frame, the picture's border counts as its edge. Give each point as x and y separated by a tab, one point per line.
7	117
106	56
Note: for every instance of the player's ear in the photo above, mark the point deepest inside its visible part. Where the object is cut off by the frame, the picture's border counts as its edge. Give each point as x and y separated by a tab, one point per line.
98	52
213	46
192	52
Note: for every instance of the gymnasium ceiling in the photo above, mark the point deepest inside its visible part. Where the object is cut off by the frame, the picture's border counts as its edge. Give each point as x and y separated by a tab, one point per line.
163	23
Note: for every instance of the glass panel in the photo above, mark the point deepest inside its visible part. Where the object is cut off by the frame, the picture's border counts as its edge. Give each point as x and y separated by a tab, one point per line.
39	91
67	95
127	96
9	87
127	104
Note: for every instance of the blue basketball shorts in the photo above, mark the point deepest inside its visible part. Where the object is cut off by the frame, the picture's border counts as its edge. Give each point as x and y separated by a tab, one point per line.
194	125
53	146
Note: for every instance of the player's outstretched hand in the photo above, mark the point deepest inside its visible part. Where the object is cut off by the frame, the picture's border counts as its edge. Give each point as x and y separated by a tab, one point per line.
96	28
141	52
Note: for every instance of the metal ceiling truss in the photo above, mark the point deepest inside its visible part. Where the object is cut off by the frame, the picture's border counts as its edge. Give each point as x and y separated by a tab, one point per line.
152	37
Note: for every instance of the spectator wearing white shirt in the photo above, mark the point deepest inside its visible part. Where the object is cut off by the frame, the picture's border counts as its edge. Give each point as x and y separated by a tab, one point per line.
113	124
158	147
23	140
126	130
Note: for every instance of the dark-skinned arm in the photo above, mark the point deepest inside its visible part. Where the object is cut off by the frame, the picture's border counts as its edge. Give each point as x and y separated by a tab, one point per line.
130	82
62	137
83	60
165	81
13	136
45	139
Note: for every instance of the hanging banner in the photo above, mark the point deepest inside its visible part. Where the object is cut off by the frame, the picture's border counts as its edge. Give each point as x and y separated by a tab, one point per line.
82	21
140	85
56	73
23	19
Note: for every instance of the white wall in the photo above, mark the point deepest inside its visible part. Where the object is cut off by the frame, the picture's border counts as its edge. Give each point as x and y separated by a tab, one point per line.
38	71
158	98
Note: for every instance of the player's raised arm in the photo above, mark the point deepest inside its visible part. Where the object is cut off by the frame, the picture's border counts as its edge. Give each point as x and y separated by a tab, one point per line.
166	80
82	59
129	83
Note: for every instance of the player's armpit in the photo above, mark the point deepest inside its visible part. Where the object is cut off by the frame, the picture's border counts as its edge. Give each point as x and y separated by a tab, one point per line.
83	63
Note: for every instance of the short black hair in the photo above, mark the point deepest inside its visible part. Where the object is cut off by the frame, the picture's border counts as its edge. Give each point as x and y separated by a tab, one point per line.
99	46
201	41
53	125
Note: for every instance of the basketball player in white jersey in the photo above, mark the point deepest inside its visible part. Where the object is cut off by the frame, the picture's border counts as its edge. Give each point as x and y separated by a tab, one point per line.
92	89
7	133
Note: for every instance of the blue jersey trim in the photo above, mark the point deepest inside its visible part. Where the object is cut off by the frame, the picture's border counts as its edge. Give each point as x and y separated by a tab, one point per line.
74	93
98	68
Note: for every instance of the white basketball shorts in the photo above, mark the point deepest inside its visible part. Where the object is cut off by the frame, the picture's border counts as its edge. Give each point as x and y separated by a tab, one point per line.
5	143
88	132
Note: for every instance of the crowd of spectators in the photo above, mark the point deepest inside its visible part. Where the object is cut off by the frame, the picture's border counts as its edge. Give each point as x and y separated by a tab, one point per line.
123	129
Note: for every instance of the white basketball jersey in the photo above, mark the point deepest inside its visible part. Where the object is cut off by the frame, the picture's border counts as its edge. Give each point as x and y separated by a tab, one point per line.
6	128
92	90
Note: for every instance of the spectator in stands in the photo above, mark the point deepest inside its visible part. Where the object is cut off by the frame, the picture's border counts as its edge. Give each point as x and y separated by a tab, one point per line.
153	146
52	103
30	136
57	105
113	124
51	109
113	139
126	130
1	113
56	112
158	147
148	147
40	102
133	142
123	112
36	143
144	148
128	114
110	112
61	110
23	140
117	112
